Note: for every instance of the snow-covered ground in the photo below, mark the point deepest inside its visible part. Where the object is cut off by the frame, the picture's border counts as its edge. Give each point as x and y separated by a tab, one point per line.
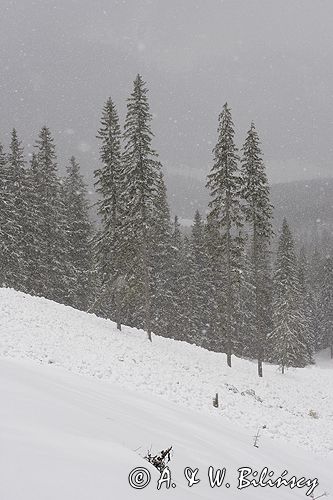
66	436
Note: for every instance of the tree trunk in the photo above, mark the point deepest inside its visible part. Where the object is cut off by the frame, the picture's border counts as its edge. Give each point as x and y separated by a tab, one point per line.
229	356
260	367
116	291
257	319
147	318
146	288
118	320
118	325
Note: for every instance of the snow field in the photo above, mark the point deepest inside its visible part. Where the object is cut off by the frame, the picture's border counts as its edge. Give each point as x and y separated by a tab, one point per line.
70	437
295	408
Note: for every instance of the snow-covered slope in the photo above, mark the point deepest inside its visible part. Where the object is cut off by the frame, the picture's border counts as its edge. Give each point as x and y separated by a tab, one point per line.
65	436
68	437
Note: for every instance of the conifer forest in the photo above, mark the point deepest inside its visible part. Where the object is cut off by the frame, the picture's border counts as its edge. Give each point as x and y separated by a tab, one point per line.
235	282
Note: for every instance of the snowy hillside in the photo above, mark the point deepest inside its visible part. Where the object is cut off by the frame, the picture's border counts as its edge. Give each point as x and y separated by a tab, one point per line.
65	436
69	437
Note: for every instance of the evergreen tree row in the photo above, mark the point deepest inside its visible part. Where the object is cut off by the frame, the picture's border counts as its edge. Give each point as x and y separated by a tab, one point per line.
217	287
223	286
45	230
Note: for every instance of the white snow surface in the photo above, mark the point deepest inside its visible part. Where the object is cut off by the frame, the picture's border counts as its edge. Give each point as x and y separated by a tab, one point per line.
72	436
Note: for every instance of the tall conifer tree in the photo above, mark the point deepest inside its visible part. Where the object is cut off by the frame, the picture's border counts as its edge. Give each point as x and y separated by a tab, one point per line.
108	242
258	215
79	233
141	170
18	213
6	231
34	229
52	265
224	183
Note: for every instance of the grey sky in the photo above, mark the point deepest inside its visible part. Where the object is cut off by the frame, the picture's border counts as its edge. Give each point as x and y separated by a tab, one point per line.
270	59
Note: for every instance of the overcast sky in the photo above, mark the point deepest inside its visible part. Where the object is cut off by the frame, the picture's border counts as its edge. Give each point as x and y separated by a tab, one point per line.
270	59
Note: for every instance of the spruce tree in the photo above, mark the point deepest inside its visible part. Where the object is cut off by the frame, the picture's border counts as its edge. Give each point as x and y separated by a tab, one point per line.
160	263
326	302
288	340
199	313
141	170
315	287
52	224
215	280
258	216
34	243
6	229
79	232
189	323
108	247
306	299
176	283
18	212
246	340
224	183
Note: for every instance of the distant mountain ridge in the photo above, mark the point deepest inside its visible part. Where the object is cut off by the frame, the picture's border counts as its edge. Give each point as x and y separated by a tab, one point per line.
307	204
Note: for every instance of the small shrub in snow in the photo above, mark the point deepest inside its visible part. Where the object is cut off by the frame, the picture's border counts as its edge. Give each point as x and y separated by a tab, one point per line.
252	393
159	461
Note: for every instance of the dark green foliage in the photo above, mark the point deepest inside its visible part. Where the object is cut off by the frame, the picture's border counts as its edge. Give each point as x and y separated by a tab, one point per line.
289	344
160	262
15	190
258	216
246	342
215	280
326	303
307	302
53	272
79	233
7	209
315	274
34	230
108	241
141	178
211	286
224	183
198	280
176	284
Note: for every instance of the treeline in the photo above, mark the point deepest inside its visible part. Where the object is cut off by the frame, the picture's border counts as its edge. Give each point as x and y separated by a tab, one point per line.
45	232
221	287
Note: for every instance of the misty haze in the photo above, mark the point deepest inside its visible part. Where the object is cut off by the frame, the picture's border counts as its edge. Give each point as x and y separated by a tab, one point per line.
270	60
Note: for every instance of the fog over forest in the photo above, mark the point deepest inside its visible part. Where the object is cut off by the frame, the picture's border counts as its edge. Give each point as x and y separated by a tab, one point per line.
271	61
